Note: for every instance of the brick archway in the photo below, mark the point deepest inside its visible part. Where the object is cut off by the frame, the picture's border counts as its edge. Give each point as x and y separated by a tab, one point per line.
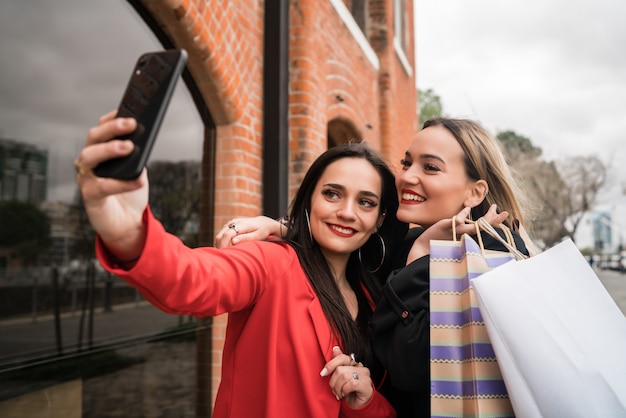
341	131
221	81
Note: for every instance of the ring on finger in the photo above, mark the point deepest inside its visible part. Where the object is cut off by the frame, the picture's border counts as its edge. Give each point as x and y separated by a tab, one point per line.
233	226
355	376
82	170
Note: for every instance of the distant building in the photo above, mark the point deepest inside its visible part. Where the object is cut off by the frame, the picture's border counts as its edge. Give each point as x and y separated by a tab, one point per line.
23	172
61	233
601	223
603	229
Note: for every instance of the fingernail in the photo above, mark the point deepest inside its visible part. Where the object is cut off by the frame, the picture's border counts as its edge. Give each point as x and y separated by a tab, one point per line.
336	348
324	372
125	145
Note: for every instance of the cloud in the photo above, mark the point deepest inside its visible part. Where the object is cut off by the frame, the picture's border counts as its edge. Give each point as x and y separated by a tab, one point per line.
551	71
64	64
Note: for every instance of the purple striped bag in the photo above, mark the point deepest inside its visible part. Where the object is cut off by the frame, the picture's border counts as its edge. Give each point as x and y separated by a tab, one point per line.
465	377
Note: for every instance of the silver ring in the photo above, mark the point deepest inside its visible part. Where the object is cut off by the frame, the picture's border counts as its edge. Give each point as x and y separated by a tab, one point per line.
233	226
355	376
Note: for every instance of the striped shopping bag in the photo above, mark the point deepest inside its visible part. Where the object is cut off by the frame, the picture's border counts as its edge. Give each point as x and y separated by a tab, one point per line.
465	377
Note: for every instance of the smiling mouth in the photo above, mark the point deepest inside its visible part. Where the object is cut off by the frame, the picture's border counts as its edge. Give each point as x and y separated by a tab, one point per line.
412	198
340	230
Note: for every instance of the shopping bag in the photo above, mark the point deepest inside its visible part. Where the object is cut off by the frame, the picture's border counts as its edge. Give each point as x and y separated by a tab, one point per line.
559	337
465	377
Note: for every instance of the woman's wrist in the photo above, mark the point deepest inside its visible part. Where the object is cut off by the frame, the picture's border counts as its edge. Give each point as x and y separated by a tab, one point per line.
123	264
283	226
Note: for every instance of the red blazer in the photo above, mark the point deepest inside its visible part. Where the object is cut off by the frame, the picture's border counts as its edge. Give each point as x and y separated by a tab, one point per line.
277	338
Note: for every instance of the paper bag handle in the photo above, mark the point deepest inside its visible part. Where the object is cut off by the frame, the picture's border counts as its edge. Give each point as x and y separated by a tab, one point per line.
508	244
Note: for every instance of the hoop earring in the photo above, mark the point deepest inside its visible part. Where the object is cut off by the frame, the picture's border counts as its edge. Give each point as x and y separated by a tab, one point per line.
382	260
308	223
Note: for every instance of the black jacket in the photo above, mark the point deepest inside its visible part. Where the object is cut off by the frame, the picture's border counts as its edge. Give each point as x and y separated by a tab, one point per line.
401	328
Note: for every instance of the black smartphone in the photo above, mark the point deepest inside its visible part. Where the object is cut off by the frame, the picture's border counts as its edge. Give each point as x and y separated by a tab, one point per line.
146	98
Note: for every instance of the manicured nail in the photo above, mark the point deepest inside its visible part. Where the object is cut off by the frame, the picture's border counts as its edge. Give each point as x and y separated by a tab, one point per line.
126	145
324	372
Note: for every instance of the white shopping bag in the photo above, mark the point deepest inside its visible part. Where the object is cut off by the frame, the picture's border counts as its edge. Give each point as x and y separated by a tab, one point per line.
559	337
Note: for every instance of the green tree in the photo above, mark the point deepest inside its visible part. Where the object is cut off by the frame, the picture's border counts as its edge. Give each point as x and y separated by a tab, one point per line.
518	146
429	105
25	229
175	197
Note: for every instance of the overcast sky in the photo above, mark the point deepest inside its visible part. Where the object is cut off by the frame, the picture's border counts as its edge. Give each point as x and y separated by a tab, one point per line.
553	71
63	64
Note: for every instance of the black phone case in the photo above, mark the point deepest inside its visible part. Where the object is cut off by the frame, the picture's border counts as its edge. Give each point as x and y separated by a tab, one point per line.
146	98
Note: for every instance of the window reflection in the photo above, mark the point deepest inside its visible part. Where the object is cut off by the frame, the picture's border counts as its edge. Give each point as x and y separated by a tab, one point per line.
64	320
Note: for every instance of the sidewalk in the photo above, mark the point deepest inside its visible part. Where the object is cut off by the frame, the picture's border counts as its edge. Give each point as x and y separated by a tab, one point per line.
22	338
615	284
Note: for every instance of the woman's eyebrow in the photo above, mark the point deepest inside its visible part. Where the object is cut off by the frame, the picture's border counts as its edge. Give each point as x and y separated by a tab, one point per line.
343	188
432	157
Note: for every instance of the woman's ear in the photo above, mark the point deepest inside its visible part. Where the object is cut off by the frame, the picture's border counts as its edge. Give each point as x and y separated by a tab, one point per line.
477	194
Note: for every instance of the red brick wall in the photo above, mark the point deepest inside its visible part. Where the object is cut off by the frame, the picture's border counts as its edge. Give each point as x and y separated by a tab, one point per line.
330	78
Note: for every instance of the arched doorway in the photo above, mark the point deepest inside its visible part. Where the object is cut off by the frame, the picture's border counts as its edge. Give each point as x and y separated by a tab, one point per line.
342	130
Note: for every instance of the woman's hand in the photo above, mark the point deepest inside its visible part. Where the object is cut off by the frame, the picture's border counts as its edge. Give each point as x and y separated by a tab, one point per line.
442	230
349	379
240	230
114	207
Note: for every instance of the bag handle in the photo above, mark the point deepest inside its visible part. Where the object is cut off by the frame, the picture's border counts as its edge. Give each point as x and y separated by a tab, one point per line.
509	243
482	224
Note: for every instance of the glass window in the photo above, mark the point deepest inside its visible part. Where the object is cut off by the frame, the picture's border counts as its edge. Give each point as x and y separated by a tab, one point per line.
65	324
399	19
358	8
400	39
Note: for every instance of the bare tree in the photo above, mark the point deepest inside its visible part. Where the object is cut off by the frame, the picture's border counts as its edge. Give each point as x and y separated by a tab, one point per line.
542	184
548	193
584	177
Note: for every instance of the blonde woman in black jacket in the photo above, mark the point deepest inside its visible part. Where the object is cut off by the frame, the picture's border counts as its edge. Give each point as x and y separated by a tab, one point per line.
452	167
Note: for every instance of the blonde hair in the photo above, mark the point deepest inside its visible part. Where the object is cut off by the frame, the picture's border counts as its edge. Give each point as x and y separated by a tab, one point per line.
485	160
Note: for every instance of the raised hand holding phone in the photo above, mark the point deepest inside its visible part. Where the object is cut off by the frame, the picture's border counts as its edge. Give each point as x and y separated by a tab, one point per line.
146	99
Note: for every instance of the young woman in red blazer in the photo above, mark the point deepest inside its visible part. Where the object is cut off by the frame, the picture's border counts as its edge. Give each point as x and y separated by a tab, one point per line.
297	306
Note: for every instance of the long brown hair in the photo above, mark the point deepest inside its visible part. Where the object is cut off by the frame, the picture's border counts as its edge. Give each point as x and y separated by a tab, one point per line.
354	335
